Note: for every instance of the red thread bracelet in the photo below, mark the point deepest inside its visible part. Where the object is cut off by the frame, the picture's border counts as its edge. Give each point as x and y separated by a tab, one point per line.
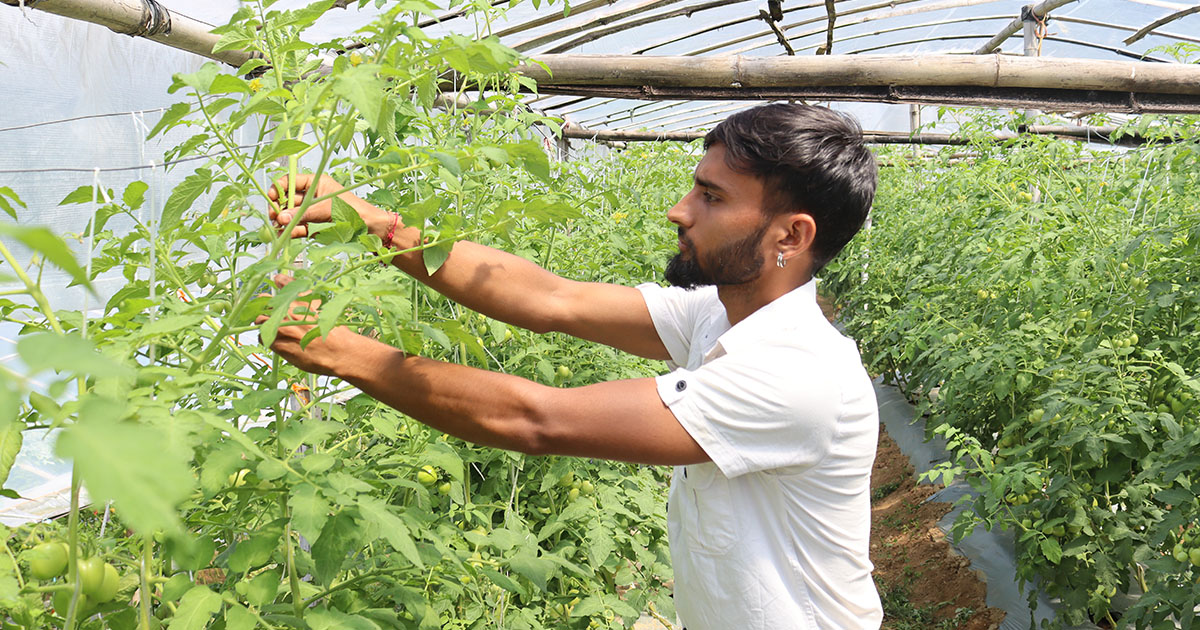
387	240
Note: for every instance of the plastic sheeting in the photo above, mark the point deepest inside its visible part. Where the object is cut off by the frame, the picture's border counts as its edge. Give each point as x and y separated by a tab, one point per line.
990	552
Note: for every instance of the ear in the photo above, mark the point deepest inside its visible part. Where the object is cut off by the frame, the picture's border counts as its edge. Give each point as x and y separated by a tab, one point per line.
799	230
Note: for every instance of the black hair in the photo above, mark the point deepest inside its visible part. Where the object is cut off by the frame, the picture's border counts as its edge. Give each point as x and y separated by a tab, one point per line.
812	160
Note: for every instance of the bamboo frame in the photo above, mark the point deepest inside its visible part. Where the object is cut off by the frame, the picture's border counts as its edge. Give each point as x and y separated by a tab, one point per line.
1093	134
1040	10
126	17
607	18
734	73
1146	30
1121	27
595	34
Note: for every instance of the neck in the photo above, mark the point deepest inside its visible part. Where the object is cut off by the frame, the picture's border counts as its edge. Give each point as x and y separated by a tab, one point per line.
740	300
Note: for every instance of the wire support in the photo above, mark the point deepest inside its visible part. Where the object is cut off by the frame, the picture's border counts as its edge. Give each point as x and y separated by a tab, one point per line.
78	118
115	169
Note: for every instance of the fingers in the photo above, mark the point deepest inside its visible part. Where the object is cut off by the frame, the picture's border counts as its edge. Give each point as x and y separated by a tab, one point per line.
282	280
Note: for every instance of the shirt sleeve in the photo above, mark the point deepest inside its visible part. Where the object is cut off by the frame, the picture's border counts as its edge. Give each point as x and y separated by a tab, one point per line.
675	313
773	410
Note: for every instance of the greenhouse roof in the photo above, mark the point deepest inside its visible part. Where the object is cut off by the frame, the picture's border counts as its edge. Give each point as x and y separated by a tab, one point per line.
1155	31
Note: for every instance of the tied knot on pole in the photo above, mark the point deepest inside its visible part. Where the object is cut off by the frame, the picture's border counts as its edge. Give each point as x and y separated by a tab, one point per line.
156	20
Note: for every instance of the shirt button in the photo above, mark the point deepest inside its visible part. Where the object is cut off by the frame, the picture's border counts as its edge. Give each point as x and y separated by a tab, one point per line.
680	386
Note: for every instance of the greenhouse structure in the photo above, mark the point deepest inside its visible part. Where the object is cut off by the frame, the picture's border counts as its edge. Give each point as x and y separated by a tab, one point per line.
1024	294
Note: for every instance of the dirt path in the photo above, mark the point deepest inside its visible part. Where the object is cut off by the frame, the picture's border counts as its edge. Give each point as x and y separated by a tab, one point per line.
924	585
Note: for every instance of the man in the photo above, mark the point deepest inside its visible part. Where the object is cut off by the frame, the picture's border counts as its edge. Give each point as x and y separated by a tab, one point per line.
770	418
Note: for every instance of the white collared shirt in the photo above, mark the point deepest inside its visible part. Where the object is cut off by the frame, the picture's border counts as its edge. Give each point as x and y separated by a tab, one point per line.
773	534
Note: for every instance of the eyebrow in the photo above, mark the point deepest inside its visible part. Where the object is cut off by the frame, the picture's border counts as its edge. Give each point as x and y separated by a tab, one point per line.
707	183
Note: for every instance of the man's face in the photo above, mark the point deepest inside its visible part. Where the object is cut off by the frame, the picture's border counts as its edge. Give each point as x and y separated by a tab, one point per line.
721	227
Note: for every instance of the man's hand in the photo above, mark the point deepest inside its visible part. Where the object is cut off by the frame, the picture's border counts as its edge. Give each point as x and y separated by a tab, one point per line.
378	221
322	355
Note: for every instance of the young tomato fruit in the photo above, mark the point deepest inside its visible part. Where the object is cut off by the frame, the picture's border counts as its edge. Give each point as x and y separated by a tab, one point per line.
427	476
109	585
91	575
48	560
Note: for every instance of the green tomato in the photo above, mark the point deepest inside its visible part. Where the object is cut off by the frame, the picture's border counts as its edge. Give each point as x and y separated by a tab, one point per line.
427	476
444	488
586	487
1179	553
564	372
573	494
48	560
62	602
110	585
1194	556
91	575
566	480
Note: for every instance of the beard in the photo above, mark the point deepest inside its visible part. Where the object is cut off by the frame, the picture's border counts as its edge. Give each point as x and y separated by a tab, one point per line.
733	264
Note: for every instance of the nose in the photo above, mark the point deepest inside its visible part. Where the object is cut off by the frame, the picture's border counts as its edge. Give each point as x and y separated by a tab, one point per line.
679	214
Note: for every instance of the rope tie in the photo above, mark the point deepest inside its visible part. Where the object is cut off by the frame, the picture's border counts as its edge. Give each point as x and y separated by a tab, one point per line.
156	20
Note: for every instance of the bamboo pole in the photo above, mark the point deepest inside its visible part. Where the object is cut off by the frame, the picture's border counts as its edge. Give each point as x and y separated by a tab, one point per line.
1093	134
734	73
1145	30
607	18
716	27
135	18
1039	11
1121	27
595	34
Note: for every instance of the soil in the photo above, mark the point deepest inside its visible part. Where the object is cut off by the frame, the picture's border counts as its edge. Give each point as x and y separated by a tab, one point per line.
924	584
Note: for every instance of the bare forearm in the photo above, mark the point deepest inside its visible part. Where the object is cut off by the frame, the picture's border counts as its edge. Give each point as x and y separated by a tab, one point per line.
480	406
495	283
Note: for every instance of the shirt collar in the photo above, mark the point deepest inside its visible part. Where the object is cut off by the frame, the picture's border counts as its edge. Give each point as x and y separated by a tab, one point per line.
788	311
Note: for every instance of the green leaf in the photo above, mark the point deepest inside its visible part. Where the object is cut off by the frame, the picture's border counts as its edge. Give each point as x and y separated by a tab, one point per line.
135	194
503	581
170	323
280	302
184	195
238	618
255	551
133	465
11	438
532	156
435	256
324	619
309	511
229	84
173	115
1052	550
261	589
535	569
201	79
50	245
332	310
5	191
195	609
283	148
362	88
393	529
255	401
449	162
338	538
66	353
83	194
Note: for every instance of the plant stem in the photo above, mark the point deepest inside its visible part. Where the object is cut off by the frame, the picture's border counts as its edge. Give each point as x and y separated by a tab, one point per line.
144	582
35	291
73	548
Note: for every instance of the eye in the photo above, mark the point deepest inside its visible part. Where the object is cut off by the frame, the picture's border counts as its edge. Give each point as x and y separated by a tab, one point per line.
709	197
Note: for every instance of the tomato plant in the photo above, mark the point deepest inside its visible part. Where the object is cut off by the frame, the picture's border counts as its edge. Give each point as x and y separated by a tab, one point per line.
1050	343
248	494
